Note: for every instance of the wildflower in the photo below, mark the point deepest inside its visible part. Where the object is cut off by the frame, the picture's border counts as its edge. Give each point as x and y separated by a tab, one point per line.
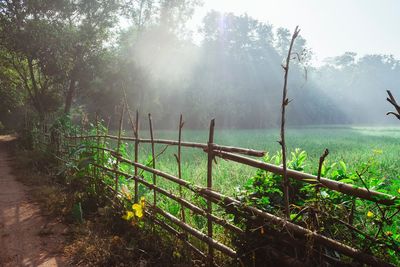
129	215
370	214
142	202
389	233
137	210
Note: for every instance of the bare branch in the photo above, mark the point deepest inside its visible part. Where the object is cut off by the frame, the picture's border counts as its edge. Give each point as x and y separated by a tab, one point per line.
392	101
285	102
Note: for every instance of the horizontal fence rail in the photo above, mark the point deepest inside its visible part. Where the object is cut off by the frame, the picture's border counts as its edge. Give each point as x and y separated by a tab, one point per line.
225	153
191	236
227	202
244	151
344	188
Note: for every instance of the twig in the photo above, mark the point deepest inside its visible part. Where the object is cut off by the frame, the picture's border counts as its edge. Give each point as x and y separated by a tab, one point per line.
321	162
392	101
366	187
153	159
121	120
285	102
178	159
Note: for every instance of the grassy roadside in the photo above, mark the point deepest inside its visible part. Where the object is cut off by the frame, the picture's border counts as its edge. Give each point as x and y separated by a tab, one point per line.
101	238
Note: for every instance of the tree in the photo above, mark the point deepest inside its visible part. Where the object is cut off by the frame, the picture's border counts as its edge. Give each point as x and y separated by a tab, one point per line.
51	44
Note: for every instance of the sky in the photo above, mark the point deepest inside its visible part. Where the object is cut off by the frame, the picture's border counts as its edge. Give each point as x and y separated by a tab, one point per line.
331	27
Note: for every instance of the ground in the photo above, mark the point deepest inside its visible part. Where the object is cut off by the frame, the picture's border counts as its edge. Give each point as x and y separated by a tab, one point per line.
27	238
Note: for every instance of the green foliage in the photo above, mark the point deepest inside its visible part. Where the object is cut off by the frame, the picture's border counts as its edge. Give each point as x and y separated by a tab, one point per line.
318	210
264	189
324	209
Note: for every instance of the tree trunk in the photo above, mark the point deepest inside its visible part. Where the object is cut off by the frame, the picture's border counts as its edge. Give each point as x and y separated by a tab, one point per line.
70	95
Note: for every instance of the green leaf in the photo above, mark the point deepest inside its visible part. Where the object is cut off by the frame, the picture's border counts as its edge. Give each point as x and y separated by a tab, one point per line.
343	166
347	181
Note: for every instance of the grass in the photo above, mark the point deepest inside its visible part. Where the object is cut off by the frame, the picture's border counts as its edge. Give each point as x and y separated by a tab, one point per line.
353	145
108	240
349	144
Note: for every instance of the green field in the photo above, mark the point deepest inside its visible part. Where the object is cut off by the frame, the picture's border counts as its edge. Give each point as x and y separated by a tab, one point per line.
372	151
353	145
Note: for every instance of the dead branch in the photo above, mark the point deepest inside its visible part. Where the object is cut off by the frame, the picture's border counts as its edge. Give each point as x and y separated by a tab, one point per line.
285	102
392	101
153	161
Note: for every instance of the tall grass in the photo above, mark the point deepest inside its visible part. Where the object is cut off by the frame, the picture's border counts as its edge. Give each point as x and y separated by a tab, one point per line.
352	145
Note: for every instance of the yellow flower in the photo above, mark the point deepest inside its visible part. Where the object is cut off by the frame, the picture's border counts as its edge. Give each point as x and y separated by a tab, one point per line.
128	215
142	202
389	233
370	214
138	210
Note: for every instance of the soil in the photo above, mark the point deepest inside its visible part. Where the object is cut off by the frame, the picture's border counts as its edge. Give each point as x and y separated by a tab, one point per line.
27	238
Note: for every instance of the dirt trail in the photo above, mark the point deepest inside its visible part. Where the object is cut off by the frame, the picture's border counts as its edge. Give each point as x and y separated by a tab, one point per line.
26	237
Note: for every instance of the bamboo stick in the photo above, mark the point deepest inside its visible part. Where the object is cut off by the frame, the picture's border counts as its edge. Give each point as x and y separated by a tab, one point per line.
244	151
209	186
282	142
196	233
119	144
292	228
95	173
136	155
344	188
153	160
178	159
348	189
135	129
177	235
180	200
299	231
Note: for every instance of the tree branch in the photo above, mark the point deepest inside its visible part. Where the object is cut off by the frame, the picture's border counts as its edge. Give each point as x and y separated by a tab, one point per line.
285	102
392	101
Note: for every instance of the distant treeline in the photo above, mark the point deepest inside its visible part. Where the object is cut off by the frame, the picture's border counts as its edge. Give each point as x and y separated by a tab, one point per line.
80	56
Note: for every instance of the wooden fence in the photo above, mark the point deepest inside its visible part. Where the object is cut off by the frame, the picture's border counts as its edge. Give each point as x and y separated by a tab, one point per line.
178	225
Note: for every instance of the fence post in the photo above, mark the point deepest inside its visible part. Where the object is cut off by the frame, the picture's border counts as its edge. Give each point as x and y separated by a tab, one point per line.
210	153
118	146
135	129
178	159
96	172
136	133
153	159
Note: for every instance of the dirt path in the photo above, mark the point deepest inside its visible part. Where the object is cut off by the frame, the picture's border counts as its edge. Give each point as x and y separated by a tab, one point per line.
26	238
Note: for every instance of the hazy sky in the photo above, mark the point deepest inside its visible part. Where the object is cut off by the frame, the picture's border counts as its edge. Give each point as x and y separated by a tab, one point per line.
330	27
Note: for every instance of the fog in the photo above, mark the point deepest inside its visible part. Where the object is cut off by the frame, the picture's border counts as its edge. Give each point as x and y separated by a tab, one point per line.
234	74
228	67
